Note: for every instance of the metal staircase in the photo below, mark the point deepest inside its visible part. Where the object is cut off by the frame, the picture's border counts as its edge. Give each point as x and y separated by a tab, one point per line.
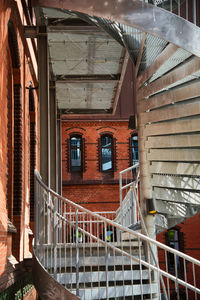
94	257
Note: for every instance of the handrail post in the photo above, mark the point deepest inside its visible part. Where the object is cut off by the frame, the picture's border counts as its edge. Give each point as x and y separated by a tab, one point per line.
106	258
55	231
194	12
36	219
121	199
77	256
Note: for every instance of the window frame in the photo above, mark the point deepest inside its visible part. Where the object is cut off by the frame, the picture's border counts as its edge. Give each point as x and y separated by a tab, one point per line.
82	155
131	147
113	153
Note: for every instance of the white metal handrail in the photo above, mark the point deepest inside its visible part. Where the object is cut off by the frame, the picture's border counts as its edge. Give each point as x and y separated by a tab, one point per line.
67	250
128	214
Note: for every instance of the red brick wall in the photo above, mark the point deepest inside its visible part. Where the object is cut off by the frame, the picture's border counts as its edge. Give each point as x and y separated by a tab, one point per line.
91	131
100	196
12	10
3	141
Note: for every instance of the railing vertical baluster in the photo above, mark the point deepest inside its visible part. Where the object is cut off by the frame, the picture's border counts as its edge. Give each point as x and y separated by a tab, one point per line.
90	228
149	271
115	278
179	8
106	258
84	242
140	257
65	245
44	228
77	256
121	199
185	278
186	9
194	12
194	279
55	236
171	7
176	274
131	263
60	235
166	266
37	219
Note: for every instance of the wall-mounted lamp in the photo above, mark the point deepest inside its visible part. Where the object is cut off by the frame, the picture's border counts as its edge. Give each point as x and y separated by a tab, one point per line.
151	207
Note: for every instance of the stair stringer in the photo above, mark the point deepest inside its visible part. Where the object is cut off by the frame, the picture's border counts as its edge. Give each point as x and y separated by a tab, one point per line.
47	287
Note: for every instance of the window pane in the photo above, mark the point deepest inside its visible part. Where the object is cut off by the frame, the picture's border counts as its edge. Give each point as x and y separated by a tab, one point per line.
75	145
134	146
106	152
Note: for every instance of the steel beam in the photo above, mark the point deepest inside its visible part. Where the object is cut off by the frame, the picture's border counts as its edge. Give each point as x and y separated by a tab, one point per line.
87	78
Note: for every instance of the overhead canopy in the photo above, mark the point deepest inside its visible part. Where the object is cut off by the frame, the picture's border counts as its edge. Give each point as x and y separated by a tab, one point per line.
86	64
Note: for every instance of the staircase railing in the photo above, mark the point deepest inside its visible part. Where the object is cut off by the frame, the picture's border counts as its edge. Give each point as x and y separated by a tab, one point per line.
79	256
128	214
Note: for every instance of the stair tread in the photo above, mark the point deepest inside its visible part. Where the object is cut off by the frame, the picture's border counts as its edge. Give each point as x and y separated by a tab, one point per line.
117	291
96	276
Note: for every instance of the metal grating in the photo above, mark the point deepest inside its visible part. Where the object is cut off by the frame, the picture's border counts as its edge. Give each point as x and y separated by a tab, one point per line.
153	47
180	56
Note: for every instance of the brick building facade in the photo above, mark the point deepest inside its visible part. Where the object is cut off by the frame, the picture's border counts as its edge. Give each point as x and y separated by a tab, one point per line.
93	187
18	142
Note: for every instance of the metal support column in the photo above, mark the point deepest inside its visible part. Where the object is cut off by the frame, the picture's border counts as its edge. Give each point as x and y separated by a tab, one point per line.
59	156
53	137
145	194
44	106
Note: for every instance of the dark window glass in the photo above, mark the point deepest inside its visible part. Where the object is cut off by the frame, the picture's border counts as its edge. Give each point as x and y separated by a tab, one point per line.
106	152
173	242
75	148
134	149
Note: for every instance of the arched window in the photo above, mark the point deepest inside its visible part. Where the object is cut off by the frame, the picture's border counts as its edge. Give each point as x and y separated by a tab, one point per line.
76	153
106	152
134	157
